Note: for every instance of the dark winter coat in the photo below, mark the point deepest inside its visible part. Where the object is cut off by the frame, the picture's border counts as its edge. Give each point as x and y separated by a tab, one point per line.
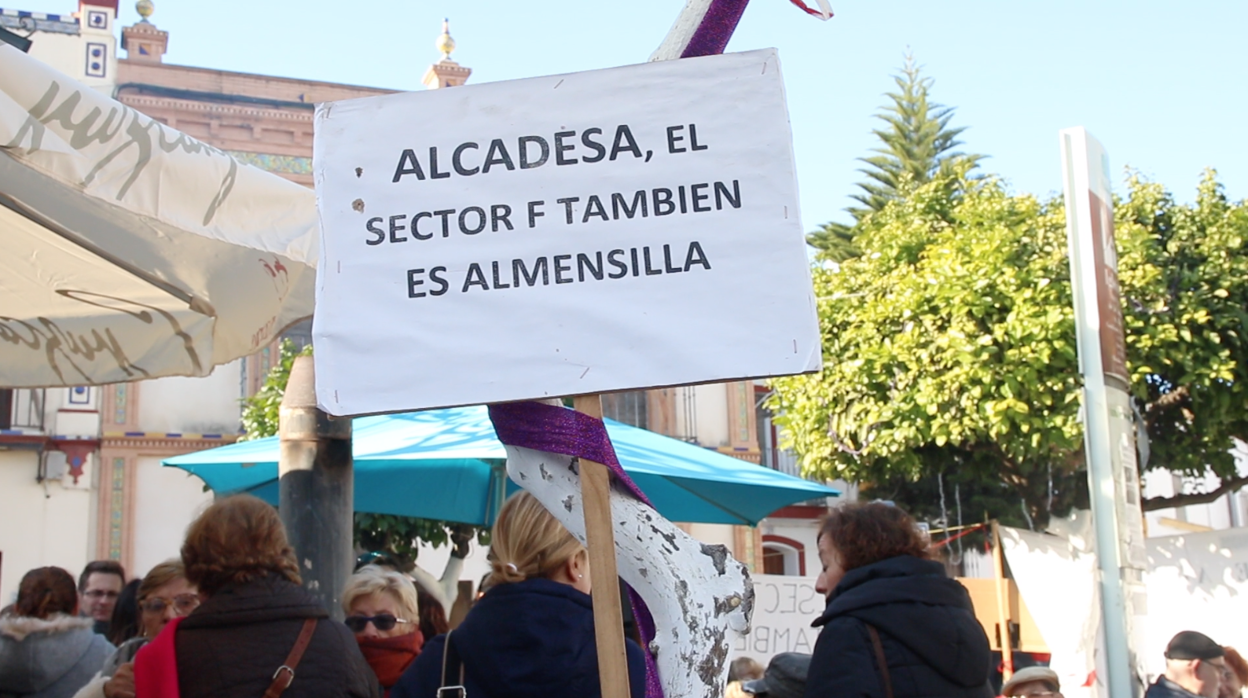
50	658
932	643
233	643
530	639
1165	688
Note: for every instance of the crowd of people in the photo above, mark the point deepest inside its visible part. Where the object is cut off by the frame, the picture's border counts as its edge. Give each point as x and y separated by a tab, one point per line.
230	617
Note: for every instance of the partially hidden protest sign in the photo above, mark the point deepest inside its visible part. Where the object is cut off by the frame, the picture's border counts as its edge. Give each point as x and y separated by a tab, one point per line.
573	234
784	608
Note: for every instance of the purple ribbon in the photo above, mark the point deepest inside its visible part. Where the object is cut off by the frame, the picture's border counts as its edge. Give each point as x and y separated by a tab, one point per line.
554	429
716	27
540	427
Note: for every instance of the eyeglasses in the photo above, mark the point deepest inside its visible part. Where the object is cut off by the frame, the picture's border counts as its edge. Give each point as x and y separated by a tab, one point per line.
1038	694
182	604
381	621
100	594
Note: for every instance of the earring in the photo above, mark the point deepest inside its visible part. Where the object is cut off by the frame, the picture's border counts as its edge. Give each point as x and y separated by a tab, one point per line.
580	576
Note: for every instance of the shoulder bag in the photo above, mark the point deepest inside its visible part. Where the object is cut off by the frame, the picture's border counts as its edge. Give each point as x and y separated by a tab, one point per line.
451	667
881	660
285	674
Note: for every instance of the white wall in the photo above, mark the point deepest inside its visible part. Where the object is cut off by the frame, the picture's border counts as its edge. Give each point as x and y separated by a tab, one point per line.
166	501
712	414
43	523
208	405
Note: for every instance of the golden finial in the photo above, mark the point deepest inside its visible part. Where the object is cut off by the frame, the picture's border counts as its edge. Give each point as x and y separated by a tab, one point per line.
145	8
445	43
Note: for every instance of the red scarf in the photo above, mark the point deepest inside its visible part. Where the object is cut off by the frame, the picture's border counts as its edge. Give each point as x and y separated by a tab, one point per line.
389	656
156	665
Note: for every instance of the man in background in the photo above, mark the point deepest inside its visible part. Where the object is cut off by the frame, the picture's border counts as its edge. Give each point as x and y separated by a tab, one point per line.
1194	666
99	585
1033	682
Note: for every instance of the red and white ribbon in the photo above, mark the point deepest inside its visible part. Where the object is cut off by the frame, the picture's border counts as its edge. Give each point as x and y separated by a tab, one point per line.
824	12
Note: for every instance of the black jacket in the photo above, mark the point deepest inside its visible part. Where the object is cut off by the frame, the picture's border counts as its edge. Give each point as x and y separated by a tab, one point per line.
530	639
233	643
1165	688
932	643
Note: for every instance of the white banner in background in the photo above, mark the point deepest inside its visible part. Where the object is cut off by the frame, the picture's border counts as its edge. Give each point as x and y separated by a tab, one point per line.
1196	581
1057	581
572	234
784	608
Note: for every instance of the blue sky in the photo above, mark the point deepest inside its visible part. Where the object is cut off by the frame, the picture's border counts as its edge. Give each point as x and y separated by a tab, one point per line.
1160	84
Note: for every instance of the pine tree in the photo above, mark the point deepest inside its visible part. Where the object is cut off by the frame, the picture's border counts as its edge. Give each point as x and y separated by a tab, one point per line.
918	145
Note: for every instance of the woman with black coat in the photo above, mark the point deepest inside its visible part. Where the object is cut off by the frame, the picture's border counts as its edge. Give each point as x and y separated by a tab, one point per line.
239	641
532	634
895	625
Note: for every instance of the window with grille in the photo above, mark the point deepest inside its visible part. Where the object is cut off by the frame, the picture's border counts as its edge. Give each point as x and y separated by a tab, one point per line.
629	408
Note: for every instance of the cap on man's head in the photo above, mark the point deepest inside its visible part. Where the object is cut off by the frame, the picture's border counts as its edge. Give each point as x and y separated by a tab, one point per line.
785	677
1190	644
1029	674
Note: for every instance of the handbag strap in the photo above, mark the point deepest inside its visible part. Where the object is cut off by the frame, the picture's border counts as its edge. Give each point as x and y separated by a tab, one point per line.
880	659
451	666
285	674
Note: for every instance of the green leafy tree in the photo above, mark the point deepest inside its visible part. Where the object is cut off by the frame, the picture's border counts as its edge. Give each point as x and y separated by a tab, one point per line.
260	411
950	359
1184	276
397	537
917	145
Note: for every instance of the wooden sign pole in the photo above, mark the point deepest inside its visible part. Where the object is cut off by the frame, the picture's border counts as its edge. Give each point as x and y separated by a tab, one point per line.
600	540
1003	604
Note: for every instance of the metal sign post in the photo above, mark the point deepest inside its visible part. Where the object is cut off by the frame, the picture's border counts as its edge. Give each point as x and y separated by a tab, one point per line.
1113	476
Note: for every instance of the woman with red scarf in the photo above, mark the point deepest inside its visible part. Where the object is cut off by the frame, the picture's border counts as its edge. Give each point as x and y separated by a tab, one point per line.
383	613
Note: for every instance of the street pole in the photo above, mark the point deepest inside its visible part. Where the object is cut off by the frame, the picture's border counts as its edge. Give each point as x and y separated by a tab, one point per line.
1108	427
316	487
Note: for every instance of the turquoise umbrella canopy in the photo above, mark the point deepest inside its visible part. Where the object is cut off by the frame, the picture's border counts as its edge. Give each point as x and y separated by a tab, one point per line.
449	465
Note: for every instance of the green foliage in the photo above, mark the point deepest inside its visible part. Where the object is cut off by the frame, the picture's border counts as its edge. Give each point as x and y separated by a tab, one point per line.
395	536
917	147
949	346
260	411
399	537
1184	275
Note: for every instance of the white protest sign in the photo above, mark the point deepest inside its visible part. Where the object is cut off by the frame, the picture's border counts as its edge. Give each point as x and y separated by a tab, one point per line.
784	608
572	234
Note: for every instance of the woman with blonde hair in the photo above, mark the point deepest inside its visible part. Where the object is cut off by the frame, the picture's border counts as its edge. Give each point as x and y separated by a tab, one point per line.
383	612
532	634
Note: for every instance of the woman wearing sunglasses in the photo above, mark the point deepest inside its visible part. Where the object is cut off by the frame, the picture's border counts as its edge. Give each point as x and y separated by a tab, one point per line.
164	594
383	612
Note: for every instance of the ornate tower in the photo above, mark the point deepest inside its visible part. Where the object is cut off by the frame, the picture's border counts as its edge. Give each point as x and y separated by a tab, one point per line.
142	40
446	72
